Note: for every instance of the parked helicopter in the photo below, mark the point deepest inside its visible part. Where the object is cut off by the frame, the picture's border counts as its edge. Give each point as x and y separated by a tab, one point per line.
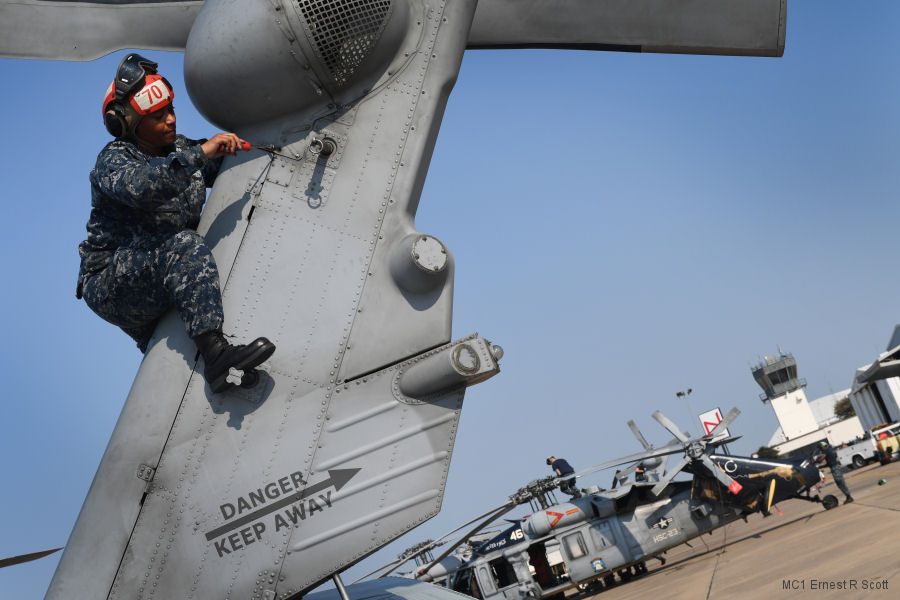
586	541
347	438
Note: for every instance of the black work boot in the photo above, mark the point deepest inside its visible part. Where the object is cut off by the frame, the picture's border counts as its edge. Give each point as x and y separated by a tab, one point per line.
227	365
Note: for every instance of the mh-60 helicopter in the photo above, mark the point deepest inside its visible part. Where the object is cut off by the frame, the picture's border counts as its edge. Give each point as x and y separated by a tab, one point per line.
589	539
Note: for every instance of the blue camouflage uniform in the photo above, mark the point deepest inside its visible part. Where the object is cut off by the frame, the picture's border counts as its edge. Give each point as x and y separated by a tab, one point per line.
142	255
837	471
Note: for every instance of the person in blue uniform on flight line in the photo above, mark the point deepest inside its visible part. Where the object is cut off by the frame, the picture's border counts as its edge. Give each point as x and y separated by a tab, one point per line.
561	468
143	255
827	453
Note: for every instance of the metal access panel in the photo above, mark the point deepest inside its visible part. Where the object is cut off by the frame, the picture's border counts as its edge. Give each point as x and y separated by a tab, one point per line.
378	456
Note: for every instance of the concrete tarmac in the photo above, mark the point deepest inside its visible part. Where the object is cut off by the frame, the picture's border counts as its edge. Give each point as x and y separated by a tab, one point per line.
851	551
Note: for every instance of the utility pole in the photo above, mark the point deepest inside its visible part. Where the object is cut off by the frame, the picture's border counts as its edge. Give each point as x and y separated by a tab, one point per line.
685	394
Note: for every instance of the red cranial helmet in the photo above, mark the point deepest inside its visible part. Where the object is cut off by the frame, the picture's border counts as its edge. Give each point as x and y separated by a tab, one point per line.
136	91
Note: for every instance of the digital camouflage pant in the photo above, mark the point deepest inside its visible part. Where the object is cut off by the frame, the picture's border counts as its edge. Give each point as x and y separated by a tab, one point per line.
567	486
150	276
837	473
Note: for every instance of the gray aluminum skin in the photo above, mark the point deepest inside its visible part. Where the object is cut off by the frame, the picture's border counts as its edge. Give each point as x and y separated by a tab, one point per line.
76	30
751	27
345	443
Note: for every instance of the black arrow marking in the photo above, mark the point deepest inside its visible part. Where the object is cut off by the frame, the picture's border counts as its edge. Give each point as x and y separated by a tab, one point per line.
336	477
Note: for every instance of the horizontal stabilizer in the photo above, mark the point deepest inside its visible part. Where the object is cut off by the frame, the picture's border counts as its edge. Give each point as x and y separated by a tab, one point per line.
89	30
736	27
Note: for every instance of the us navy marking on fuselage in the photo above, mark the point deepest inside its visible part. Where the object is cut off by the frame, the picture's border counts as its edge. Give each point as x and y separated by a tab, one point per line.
259	503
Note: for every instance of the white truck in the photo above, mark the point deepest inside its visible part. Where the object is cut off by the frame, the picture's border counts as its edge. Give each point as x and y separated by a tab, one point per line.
857	454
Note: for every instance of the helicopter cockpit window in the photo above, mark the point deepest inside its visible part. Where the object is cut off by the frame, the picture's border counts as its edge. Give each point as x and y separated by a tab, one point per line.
575	546
465	583
503	572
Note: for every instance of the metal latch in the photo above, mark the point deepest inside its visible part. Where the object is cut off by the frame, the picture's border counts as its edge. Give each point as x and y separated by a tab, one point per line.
146	472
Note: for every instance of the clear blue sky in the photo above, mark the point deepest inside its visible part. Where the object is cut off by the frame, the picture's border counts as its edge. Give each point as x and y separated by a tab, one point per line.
625	226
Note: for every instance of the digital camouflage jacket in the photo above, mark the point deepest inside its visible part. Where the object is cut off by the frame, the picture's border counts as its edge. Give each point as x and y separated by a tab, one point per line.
139	199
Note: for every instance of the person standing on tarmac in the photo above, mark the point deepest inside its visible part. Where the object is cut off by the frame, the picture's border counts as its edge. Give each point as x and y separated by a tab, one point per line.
143	255
837	472
561	468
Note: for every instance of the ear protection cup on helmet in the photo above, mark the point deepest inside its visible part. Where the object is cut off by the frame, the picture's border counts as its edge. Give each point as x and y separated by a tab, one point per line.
114	119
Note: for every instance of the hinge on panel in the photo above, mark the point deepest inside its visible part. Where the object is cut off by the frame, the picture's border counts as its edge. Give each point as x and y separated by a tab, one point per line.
146	472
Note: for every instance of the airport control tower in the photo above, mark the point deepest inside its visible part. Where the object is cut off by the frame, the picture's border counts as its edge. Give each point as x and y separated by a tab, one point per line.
784	391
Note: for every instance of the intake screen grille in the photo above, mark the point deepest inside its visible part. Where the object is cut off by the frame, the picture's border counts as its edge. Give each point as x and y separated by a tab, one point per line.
344	31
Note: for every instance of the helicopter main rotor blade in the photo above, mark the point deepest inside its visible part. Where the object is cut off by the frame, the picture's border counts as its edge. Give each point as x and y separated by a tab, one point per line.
724	423
637	433
499	512
22	558
400	560
397	562
624	473
89	30
669	476
663	451
718	443
673	429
